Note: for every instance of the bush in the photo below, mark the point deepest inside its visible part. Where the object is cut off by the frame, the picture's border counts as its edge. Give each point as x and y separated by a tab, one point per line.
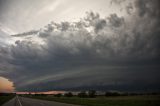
92	93
112	94
38	94
69	94
82	94
58	95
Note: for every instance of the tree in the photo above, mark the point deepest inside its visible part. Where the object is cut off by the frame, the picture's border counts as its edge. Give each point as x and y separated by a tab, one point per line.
58	95
69	94
112	94
82	94
92	93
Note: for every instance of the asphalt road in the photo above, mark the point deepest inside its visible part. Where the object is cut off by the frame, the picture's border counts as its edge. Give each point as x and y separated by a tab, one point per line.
22	101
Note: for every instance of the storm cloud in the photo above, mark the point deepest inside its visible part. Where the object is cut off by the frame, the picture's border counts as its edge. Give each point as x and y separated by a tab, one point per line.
113	52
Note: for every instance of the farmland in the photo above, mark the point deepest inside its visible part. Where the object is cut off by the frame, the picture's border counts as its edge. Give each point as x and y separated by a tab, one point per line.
140	100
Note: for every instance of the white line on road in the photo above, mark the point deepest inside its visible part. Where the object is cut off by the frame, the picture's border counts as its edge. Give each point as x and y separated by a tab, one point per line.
19	101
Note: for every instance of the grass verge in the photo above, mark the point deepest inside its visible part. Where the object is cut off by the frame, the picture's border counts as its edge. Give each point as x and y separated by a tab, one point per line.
4	99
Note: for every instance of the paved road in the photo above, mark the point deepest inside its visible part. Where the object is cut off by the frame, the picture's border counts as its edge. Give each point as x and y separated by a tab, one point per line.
22	101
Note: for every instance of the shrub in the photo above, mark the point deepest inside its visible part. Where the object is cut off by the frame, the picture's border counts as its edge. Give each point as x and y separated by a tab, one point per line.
82	94
58	95
69	94
92	93
112	94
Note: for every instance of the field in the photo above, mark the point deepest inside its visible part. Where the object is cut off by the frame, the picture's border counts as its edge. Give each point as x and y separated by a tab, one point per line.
4	99
147	100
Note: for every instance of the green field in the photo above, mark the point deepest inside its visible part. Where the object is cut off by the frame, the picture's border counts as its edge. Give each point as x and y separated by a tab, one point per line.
4	99
107	101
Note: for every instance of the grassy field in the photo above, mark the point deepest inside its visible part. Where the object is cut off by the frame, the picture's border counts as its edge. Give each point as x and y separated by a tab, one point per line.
4	99
107	101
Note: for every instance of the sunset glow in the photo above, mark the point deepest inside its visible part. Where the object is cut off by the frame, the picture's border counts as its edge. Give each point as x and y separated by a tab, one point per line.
6	85
47	92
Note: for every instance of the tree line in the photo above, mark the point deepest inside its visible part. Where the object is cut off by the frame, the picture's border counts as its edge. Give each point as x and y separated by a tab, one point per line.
93	94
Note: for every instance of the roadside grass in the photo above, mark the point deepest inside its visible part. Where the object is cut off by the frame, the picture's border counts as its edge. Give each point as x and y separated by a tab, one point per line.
147	100
4	99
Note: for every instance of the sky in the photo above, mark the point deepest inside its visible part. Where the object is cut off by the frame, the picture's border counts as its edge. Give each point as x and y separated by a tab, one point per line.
6	85
80	45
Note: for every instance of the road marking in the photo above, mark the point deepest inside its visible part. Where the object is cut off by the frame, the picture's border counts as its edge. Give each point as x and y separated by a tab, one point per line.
19	101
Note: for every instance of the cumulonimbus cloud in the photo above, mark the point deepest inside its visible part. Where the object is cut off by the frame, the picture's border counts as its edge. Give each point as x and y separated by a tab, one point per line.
92	52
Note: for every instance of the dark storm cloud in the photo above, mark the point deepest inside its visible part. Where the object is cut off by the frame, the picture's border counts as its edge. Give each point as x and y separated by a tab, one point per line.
92	53
148	7
117	1
129	8
26	33
116	21
94	20
2	4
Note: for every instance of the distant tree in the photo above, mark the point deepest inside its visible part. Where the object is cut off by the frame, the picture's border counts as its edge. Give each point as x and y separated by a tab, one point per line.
69	94
112	94
42	94
35	94
125	94
92	93
7	94
108	94
82	94
133	94
58	95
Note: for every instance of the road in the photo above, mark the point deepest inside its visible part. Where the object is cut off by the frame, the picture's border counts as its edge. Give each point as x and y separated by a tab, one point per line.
22	101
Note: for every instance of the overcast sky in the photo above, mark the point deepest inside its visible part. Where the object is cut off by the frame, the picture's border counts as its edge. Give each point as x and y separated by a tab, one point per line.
87	44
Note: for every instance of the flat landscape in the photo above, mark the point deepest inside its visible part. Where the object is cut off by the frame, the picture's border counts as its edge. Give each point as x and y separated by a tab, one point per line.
145	100
4	99
79	52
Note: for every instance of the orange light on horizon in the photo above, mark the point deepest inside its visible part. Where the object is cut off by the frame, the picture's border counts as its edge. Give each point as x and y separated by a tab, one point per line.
6	86
47	92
